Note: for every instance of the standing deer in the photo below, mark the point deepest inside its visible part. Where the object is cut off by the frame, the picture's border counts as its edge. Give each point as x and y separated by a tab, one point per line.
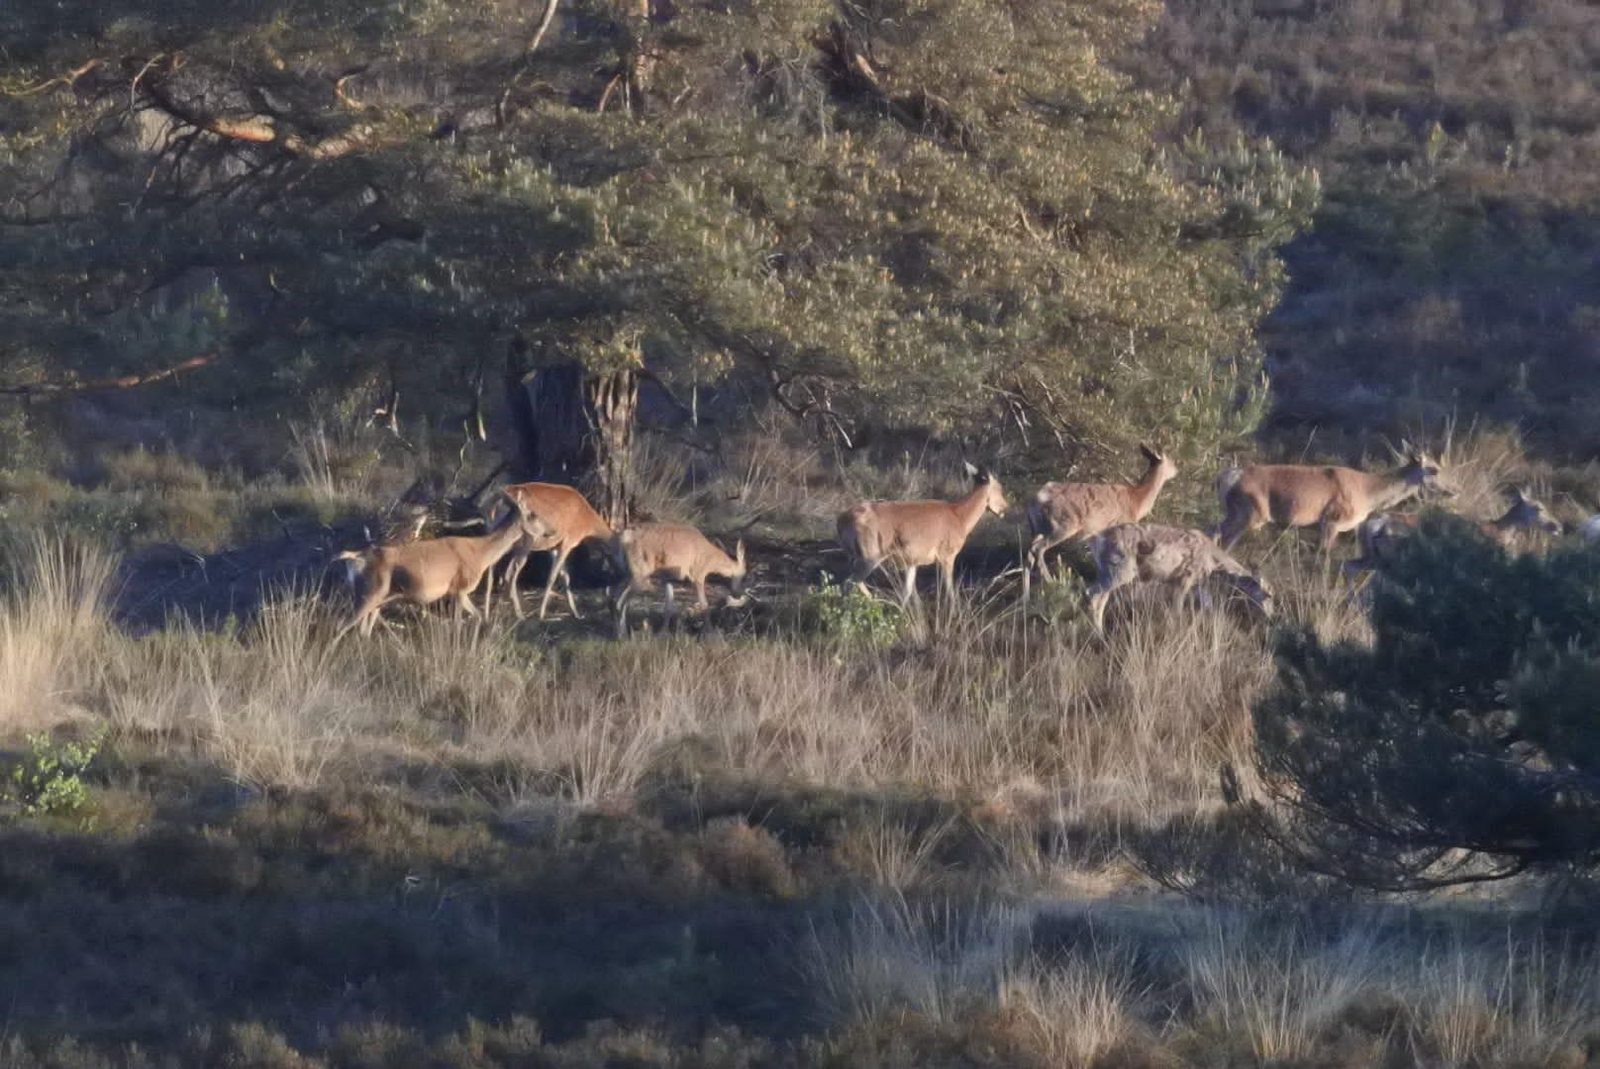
1134	552
671	553
558	520
1060	511
1379	533
915	533
427	570
1300	495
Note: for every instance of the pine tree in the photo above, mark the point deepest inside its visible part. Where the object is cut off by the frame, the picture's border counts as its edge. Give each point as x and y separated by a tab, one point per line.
949	216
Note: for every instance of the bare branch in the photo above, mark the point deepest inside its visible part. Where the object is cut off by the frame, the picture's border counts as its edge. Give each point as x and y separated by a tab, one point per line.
119	382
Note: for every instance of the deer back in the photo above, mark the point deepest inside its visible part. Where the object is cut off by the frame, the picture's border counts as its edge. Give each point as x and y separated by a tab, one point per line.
563	512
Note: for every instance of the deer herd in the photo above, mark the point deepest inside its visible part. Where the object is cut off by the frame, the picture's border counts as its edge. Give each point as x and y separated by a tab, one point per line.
1109	518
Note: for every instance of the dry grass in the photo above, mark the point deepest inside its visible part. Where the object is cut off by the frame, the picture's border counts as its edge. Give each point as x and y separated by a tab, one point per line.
52	626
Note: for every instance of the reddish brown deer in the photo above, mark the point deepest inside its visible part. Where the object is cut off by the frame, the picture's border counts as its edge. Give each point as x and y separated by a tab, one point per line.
558	520
671	553
1301	495
1135	552
911	534
427	570
1062	511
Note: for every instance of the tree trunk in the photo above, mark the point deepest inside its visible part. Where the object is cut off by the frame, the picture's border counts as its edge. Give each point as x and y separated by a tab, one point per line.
578	430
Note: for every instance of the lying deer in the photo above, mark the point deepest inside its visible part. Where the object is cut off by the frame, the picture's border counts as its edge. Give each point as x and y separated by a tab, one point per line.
1378	534
558	520
1133	552
911	534
427	570
671	553
1062	511
1300	495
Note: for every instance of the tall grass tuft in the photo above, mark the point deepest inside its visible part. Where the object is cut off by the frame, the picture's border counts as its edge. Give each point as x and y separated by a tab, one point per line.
53	621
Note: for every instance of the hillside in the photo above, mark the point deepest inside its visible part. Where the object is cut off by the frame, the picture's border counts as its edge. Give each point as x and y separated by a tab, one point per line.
1453	270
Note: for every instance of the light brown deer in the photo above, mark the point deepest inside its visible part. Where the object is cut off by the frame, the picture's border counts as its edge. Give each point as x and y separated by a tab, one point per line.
1302	495
1061	511
427	570
558	520
671	553
1378	534
911	534
1147	552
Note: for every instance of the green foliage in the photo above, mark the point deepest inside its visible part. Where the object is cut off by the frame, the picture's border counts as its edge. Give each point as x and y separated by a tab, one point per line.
49	780
1468	723
844	613
958	222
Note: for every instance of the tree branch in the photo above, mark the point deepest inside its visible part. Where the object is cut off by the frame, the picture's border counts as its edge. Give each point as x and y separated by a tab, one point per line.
119	382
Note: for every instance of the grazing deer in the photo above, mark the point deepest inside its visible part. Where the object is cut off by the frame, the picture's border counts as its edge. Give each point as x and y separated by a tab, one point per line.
558	520
1300	495
1378	533
1135	552
1060	511
671	553
914	533
427	570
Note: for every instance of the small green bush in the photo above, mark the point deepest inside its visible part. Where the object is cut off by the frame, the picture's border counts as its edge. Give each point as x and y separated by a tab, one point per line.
843	613
49	781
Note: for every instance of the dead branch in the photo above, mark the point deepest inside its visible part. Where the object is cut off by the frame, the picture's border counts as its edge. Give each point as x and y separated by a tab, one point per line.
118	382
68	79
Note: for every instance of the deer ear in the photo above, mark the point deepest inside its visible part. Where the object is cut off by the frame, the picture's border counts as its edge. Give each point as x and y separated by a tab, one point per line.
1153	455
971	468
738	552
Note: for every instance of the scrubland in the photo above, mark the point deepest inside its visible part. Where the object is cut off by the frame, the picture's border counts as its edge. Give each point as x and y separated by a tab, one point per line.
817	830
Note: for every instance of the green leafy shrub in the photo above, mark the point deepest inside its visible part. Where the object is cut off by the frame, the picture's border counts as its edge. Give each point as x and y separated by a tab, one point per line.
49	780
843	613
1466	725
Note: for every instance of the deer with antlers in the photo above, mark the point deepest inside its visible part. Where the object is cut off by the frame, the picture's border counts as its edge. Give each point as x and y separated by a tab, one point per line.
912	534
1146	552
1062	511
672	553
557	520
427	570
1334	499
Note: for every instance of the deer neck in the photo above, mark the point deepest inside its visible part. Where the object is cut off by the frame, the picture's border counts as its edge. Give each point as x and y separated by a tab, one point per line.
498	543
969	510
1146	489
1389	491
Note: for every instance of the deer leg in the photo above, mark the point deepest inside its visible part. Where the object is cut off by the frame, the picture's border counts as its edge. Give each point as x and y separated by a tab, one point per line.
619	605
1099	594
464	606
519	561
700	596
559	562
669	612
947	579
566	584
911	585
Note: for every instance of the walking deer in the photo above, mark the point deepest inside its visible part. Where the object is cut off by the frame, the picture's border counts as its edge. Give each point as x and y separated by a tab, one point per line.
1300	495
427	570
1379	533
671	553
1062	511
558	520
1133	552
916	533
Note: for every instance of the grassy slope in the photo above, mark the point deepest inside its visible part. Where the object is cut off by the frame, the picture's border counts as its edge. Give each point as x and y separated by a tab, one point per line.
1452	269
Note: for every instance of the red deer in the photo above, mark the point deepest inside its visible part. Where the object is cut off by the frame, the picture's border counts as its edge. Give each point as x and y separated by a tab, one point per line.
912	534
1062	511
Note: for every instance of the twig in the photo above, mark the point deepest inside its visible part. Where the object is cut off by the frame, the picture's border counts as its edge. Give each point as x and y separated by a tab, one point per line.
119	382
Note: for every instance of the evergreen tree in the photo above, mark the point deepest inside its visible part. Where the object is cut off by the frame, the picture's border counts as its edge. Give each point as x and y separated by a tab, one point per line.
952	216
1468	723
